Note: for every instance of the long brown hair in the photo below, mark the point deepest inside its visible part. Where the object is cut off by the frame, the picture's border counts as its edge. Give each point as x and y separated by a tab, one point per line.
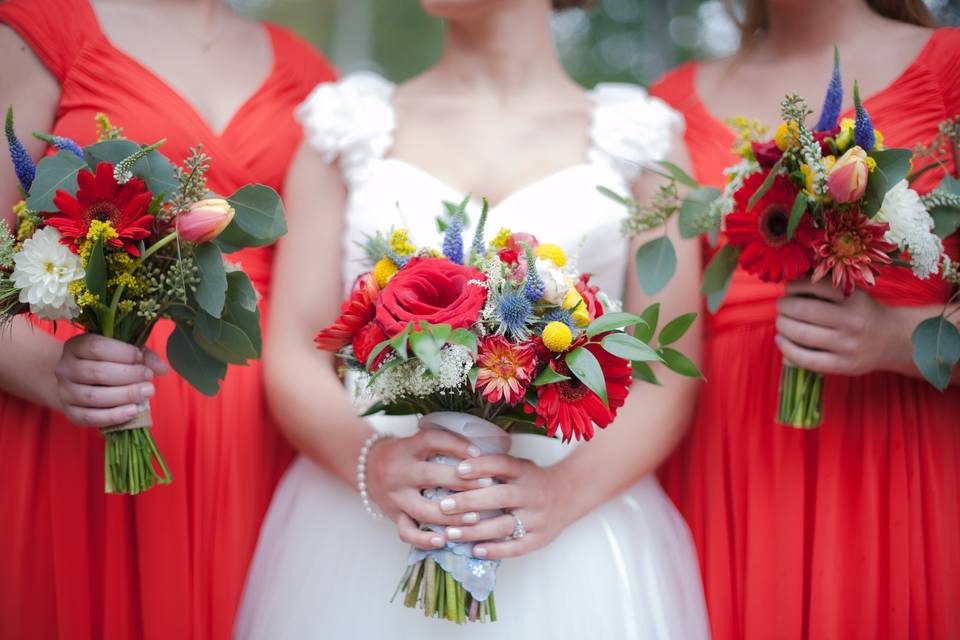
754	19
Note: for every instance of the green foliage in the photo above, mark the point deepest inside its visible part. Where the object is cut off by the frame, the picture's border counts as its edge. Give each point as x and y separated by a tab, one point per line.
696	213
54	173
96	272
195	365
893	165
154	168
718	274
627	347
676	329
796	213
585	367
211	292
936	350
548	376
656	262
612	321
259	219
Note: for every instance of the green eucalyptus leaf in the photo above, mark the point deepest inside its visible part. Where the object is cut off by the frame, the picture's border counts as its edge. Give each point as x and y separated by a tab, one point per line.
656	262
676	328
258	221
585	367
548	376
893	165
936	350
54	173
472	377
611	321
441	332
193	363
679	363
154	169
643	371
627	347
240	290
696	202
211	292
616	197
718	274
222	340
678	174
464	338
650	316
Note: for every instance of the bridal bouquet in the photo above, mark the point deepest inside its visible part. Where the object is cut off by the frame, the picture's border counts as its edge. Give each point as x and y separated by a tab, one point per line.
113	237
828	201
486	339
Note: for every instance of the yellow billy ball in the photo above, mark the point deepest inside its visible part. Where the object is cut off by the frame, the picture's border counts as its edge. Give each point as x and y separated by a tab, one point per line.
557	336
384	270
553	253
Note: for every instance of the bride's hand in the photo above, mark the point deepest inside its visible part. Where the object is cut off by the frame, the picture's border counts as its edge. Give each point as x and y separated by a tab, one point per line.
538	496
397	469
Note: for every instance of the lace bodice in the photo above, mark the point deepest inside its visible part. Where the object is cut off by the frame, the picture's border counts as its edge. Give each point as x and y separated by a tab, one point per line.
352	122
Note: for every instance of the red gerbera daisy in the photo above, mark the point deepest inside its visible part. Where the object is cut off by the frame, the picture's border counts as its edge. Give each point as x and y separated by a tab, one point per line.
573	408
355	313
505	369
761	232
851	247
101	197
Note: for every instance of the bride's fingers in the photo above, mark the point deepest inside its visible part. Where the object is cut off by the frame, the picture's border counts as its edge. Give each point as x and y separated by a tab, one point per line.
427	475
507	548
496	466
492	529
412	534
431	442
499	496
424	510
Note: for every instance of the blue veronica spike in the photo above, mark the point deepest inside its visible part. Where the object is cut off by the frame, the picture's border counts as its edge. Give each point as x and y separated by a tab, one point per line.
60	143
22	162
863	135
833	101
559	315
513	311
534	286
453	239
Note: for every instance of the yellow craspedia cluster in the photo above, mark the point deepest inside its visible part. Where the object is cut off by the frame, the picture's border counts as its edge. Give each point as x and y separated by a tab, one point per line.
747	130
787	135
400	243
553	253
557	336
573	302
25	226
500	240
384	270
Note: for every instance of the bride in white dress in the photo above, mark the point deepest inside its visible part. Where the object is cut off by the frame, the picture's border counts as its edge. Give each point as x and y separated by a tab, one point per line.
606	554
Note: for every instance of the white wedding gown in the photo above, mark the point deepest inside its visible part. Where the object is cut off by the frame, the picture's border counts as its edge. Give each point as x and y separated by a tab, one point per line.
325	569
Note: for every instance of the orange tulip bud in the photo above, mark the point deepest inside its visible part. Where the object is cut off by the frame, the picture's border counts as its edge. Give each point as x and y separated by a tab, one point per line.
205	220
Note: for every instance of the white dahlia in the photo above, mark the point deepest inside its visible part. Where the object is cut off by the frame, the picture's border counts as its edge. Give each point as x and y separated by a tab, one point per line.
911	229
555	283
43	270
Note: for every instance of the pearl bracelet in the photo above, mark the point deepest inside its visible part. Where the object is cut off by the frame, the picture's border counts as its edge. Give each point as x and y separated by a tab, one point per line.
362	471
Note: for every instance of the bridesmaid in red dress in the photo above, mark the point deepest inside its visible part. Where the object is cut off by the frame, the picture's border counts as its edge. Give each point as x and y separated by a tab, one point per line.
851	530
169	563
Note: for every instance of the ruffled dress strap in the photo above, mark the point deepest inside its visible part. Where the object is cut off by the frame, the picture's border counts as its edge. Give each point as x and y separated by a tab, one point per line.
56	30
350	122
630	129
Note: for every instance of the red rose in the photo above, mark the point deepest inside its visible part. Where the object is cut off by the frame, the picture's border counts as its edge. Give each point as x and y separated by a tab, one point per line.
766	153
589	294
431	289
364	342
356	312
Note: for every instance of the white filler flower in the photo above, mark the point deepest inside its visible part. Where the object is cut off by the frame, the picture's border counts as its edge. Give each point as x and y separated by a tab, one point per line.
911	229
43	270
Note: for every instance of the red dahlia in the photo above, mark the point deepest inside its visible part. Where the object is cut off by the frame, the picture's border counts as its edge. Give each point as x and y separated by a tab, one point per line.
761	232
364	342
573	408
851	247
505	369
355	313
101	197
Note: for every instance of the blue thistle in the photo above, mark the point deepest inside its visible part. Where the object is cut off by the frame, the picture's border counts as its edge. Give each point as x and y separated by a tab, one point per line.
863	135
453	239
559	315
513	312
833	101
397	259
22	162
533	286
60	143
479	247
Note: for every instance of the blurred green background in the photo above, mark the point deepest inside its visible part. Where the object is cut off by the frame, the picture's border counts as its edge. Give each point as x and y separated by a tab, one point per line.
621	40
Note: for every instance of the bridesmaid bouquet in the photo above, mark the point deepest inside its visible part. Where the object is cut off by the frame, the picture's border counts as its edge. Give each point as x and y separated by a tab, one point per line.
483	340
817	202
113	237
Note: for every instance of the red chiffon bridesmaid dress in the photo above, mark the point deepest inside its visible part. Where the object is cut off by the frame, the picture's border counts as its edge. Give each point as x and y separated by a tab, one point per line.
170	563
848	531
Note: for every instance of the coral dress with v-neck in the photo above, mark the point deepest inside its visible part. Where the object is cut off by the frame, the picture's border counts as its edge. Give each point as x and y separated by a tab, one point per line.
170	563
848	531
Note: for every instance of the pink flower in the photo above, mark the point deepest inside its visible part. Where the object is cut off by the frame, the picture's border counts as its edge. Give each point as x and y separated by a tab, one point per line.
505	369
851	249
847	180
205	220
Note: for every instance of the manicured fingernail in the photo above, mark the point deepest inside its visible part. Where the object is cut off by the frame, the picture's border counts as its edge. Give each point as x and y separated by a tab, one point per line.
448	504
485	482
454	534
470	518
130	413
146	391
480	552
148	373
464	468
436	541
474	451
